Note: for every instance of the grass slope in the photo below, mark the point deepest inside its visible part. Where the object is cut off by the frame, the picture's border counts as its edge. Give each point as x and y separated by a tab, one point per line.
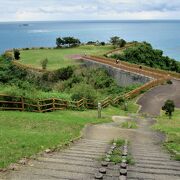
58	58
23	134
171	127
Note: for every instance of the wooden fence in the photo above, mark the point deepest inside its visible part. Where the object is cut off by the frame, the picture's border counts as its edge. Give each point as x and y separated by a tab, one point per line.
8	102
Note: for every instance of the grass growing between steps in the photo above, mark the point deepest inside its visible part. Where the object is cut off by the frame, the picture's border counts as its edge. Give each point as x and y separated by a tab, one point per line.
171	127
23	134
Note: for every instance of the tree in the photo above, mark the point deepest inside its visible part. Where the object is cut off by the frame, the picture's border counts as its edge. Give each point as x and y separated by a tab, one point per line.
44	63
169	107
114	40
59	42
121	43
67	41
117	41
16	54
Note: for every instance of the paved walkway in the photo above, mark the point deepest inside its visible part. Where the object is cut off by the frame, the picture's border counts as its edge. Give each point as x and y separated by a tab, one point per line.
151	160
82	160
154	99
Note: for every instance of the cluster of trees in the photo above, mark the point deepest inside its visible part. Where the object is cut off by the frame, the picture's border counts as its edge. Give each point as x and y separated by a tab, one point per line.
144	54
67	42
117	42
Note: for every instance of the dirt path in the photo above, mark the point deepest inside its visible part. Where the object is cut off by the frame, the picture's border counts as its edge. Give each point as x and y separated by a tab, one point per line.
153	100
82	160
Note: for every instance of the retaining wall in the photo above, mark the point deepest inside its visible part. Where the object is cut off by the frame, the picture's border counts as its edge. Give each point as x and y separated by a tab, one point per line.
122	77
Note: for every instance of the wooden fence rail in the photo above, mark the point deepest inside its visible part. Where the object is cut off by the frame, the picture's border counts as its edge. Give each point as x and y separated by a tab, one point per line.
8	102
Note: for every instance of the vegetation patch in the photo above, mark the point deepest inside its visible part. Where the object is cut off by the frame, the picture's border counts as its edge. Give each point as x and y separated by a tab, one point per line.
69	83
171	127
23	134
116	156
144	54
129	125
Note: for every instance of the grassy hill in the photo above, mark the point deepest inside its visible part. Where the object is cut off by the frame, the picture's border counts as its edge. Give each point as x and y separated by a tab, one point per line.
58	58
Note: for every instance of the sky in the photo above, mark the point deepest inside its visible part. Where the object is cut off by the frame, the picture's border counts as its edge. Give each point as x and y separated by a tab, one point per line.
45	10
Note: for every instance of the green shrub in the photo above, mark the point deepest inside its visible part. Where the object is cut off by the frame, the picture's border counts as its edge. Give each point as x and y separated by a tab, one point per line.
16	54
80	91
44	63
64	73
169	82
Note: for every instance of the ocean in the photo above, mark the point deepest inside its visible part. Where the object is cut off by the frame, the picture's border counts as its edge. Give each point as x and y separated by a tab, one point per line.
163	35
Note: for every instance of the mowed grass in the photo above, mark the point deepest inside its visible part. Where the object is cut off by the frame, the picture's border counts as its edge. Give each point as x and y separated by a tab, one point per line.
171	127
58	58
24	134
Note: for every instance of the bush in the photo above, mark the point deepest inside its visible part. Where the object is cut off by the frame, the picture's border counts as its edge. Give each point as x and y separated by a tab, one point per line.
8	55
169	107
169	82
64	73
102	43
16	54
44	63
80	91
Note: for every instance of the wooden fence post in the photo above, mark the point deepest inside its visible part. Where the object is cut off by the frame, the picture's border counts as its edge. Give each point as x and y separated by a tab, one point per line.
39	108
54	104
22	103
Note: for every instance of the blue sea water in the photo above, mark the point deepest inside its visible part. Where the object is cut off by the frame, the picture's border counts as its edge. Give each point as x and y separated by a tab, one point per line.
164	35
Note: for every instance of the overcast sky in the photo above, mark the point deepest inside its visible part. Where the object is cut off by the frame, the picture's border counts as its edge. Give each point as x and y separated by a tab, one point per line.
36	10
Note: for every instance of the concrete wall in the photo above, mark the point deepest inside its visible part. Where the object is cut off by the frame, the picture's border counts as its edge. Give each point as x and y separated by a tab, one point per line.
122	77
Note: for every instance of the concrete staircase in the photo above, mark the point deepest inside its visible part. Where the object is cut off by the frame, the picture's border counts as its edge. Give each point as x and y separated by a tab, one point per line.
151	160
81	161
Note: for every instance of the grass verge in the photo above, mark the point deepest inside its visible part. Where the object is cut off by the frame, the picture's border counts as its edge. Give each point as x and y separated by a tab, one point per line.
171	127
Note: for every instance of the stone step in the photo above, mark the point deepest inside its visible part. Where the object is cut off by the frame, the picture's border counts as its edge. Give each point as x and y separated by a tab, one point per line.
53	174
142	156
168	167
147	176
70	162
82	149
153	171
150	155
93	141
83	152
65	167
169	163
95	147
60	156
81	155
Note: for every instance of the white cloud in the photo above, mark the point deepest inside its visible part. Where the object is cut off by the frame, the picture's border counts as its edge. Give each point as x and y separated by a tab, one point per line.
22	10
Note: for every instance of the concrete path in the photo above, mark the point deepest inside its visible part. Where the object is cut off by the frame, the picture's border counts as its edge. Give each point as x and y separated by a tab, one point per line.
151	160
82	160
153	100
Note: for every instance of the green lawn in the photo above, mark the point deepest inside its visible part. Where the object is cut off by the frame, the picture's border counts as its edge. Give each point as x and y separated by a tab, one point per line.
23	134
58	58
171	127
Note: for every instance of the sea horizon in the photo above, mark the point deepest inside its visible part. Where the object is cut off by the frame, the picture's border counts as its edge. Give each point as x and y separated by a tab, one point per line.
161	33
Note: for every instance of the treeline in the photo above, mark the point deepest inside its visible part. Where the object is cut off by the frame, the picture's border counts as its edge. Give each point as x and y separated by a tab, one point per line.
144	54
74	42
